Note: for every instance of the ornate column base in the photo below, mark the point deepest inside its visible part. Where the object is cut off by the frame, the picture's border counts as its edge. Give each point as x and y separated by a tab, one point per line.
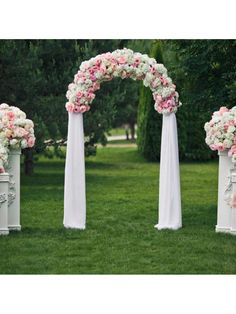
222	229
14	228
4	231
4	181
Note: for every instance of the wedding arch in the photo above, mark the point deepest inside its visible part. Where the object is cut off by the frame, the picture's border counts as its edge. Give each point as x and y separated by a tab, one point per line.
122	63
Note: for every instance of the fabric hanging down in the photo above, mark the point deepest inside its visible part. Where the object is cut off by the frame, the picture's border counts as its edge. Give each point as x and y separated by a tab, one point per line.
170	216
74	190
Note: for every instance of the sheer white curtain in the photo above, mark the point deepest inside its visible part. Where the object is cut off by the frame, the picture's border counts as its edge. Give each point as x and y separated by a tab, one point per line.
74	190
170	216
169	187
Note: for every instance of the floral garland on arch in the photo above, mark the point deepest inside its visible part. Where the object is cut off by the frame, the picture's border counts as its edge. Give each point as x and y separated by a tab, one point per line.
221	131
125	64
15	132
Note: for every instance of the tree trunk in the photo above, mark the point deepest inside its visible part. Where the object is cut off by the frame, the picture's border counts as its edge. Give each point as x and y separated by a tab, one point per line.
127	134
132	130
29	161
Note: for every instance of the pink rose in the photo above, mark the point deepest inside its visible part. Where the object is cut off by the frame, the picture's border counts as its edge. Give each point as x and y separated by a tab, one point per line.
83	108
90	96
164	81
31	141
10	115
96	86
226	126
121	60
232	151
221	147
76	109
79	94
2	170
70	107
223	110
158	98
10	125
213	147
165	104
93	77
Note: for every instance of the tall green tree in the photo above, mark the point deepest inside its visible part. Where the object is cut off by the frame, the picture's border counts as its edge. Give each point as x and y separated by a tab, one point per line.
149	121
205	73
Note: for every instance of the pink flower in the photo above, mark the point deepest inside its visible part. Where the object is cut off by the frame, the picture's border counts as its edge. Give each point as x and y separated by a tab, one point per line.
31	141
121	60
213	147
90	96
226	126
223	110
211	122
76	109
164	81
79	94
93	77
83	108
158	98
232	151
10	115
234	140
11	125
70	107
2	170
96	86
221	147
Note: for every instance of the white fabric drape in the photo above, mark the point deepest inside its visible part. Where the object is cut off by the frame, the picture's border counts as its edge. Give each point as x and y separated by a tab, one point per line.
74	192
169	184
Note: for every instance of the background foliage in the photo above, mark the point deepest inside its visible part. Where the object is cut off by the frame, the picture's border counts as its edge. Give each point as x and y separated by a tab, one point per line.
34	75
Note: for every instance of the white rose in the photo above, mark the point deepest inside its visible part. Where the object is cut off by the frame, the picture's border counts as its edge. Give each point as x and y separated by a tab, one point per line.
4	106
231	129
13	142
23	143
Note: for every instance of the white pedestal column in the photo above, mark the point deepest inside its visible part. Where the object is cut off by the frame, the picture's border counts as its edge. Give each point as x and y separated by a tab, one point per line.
14	190
233	210
4	182
224	193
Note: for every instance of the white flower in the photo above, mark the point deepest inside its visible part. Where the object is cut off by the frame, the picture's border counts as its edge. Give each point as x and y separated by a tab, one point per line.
24	144
4	106
231	129
13	142
160	68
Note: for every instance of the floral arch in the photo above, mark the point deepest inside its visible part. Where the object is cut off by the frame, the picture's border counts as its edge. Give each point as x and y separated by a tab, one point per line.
122	63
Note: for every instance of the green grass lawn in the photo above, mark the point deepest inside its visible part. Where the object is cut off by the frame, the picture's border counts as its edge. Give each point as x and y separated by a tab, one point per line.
123	142
121	213
117	131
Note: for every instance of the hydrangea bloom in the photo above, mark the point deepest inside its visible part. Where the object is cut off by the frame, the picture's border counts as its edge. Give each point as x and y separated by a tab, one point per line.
15	132
221	131
125	64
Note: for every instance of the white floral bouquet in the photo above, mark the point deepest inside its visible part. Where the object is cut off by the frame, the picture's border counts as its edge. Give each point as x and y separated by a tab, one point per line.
125	64
15	132
221	131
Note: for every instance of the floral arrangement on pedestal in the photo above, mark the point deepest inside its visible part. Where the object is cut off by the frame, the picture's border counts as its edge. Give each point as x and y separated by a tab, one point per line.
221	131
15	132
125	64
